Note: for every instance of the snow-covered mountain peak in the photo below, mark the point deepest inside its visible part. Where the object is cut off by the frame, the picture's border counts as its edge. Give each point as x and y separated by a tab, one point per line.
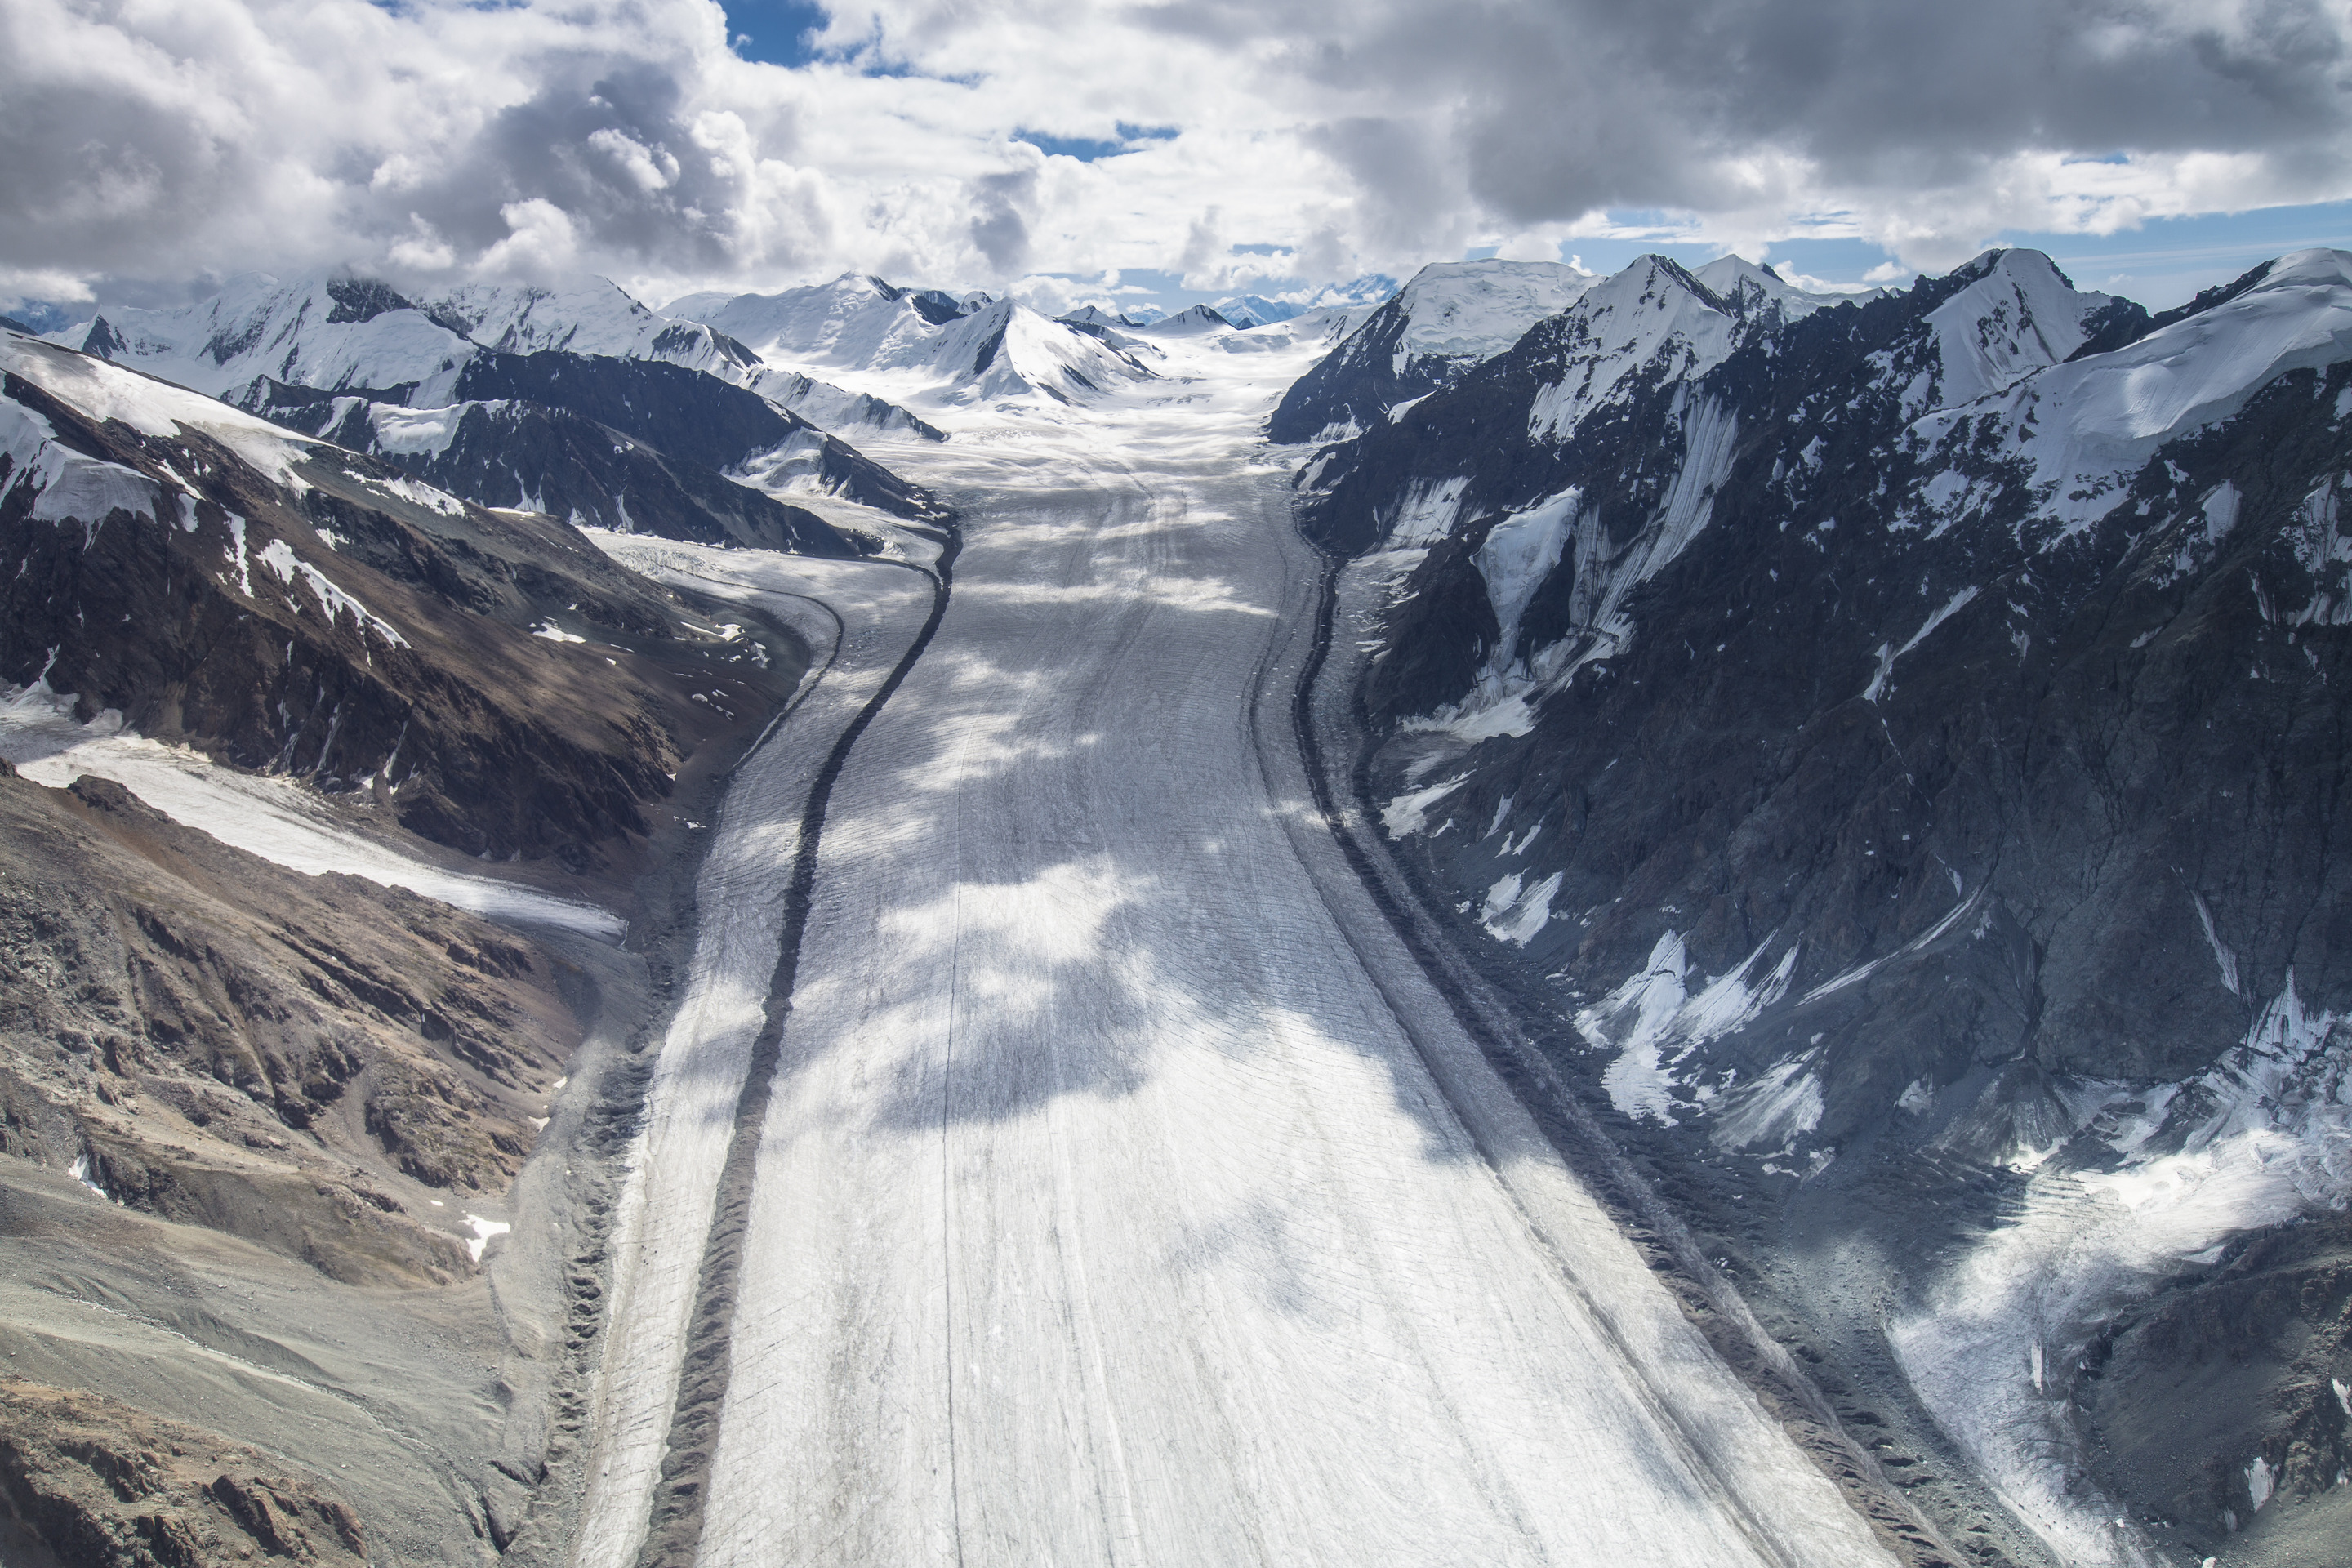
1727	274
1246	310
2088	423
1325	323
2016	315
954	349
1096	316
1198	320
2326	268
324	330
1747	288
1653	319
333	331
1453	316
589	315
1006	350
854	322
1475	310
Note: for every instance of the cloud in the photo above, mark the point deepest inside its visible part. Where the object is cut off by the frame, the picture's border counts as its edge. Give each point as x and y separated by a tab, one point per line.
151	144
999	231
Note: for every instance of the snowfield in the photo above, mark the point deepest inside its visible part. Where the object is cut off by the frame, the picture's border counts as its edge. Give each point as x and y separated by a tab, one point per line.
1126	1193
274	818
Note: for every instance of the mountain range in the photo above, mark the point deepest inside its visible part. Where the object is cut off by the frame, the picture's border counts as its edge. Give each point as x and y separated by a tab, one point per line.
1895	745
1884	748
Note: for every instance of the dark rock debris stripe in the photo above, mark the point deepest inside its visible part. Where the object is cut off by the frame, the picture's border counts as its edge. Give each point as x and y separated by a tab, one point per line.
1721	1317
675	1529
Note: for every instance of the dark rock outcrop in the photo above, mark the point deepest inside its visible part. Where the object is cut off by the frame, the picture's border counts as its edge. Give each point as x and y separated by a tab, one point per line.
2264	1343
92	1482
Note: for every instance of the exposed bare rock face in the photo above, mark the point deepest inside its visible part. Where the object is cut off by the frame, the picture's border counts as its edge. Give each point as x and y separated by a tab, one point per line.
292	608
303	1061
91	1482
2265	1341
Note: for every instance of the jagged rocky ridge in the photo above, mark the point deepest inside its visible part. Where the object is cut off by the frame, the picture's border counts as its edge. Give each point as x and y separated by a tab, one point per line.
336	332
1900	742
582	404
306	611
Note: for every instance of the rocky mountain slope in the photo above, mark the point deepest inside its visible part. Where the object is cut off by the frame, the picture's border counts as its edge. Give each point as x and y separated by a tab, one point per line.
317	1064
489	679
1898	744
256	1127
580	403
89	1480
632	447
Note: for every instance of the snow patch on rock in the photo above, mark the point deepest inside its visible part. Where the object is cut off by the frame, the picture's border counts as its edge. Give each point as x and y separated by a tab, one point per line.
1653	1021
271	817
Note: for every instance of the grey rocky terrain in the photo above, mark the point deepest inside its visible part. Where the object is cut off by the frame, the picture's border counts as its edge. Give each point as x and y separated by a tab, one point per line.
70	1460
265	1136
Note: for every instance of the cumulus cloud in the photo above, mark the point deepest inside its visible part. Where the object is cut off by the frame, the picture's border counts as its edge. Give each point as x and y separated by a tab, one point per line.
149	145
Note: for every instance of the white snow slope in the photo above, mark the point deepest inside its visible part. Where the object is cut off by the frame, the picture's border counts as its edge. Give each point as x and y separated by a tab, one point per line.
1126	1193
873	338
1471	310
2087	425
270	817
